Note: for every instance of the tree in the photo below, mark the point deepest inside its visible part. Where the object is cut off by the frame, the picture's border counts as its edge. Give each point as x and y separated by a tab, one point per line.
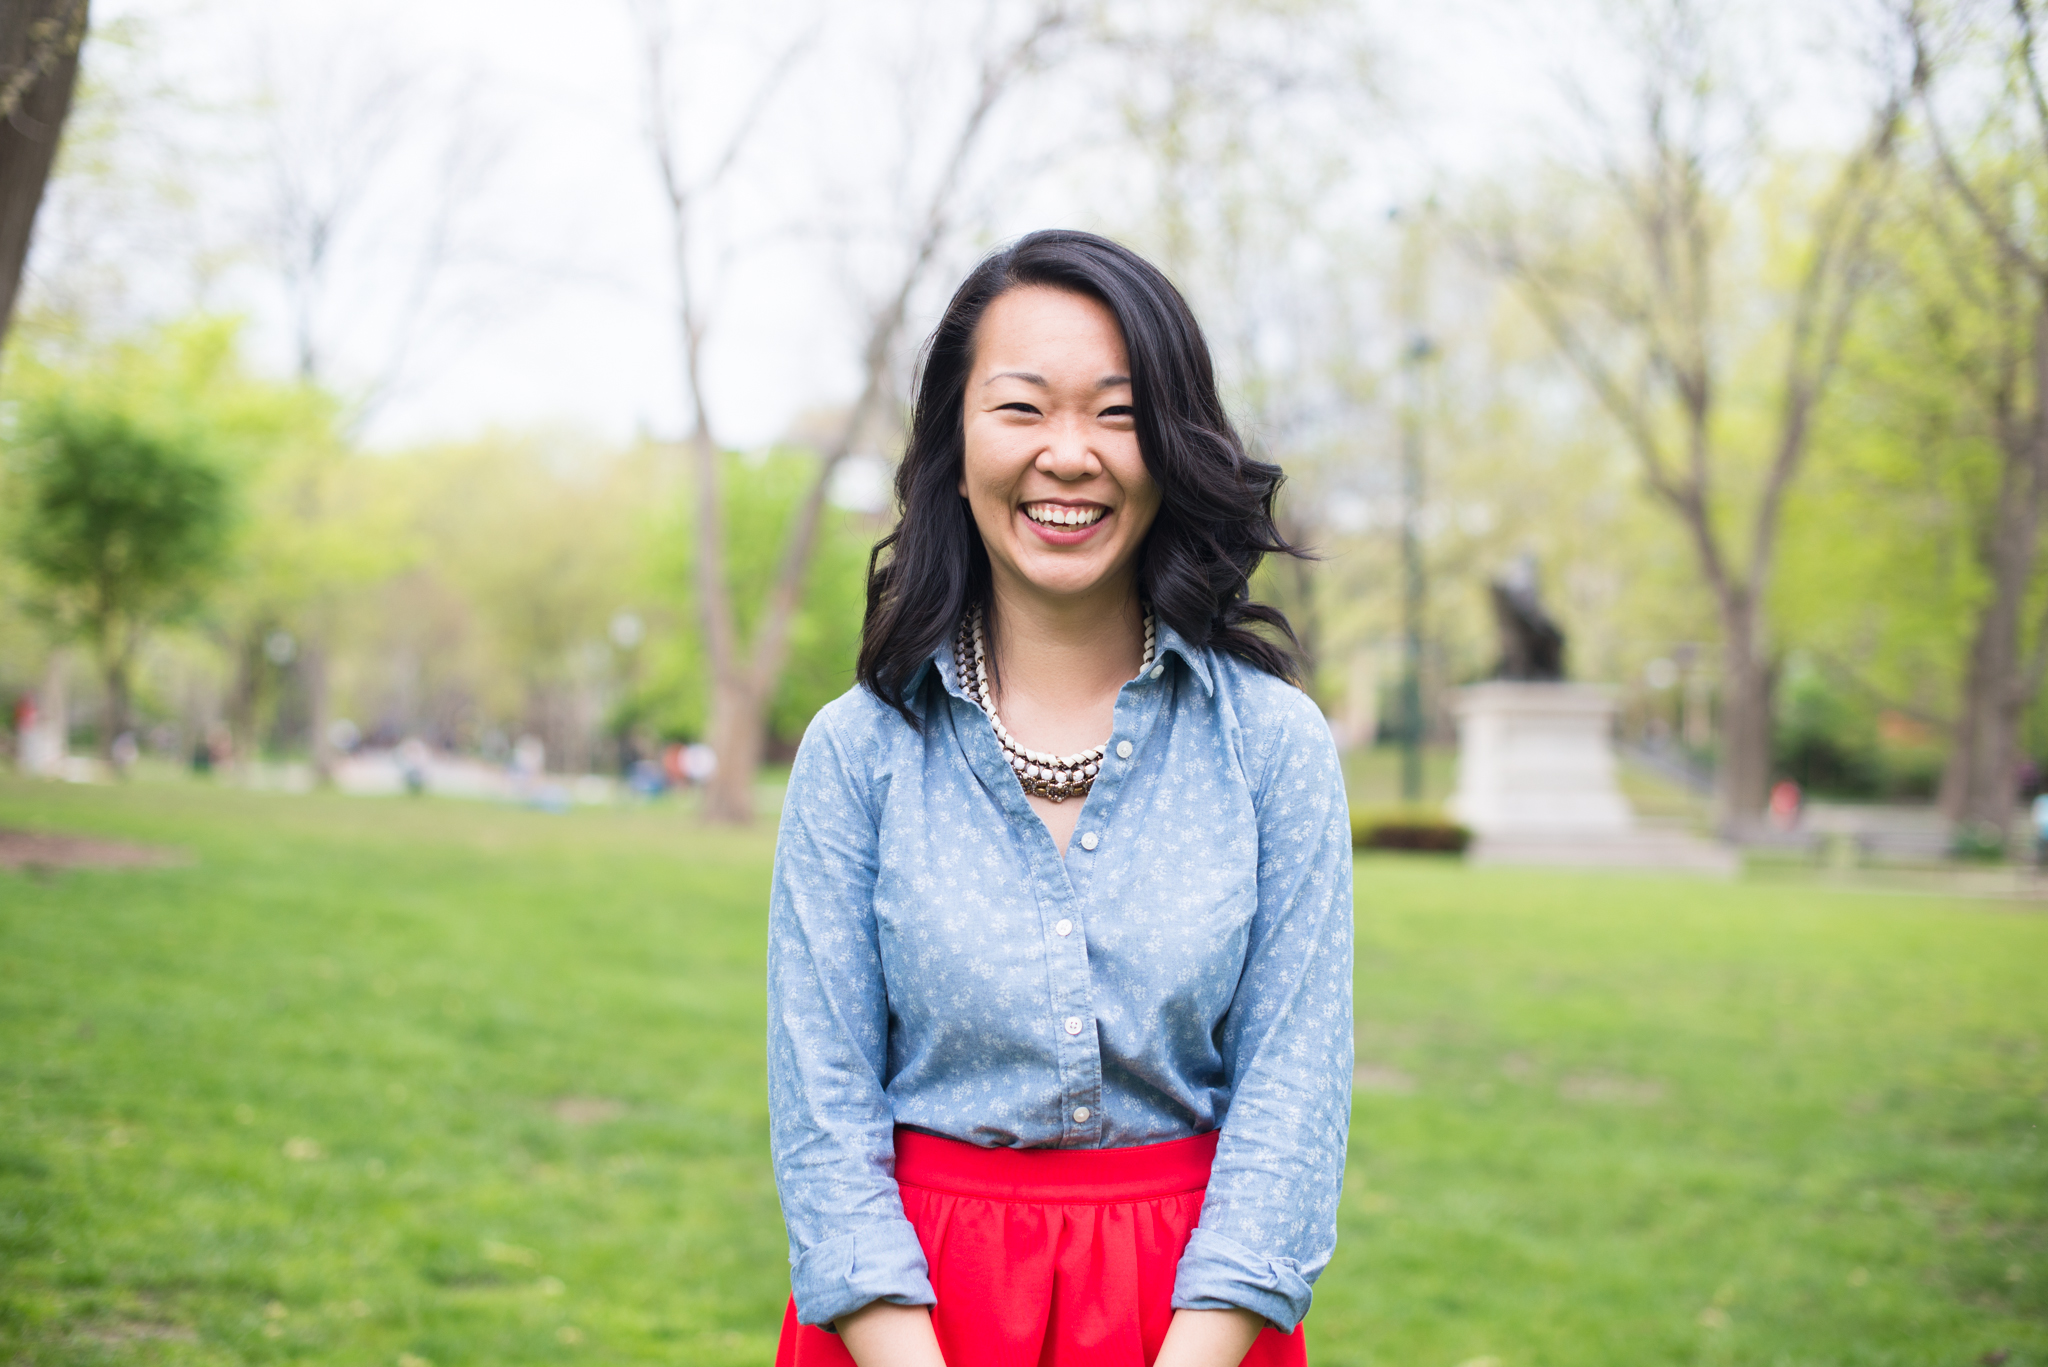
1253	208
762	497
374	171
1998	259
744	673
123	524
1886	577
39	42
1650	304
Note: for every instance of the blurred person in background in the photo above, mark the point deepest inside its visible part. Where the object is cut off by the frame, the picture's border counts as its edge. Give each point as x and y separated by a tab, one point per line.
1060	936
1786	802
2039	812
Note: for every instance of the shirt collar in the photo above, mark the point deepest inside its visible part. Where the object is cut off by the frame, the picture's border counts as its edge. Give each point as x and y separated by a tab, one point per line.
1166	641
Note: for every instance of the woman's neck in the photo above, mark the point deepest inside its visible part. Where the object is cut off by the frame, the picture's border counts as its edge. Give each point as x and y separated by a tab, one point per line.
1064	655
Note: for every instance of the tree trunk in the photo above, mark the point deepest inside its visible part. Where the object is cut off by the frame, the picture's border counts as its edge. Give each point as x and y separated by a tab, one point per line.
53	720
732	728
737	731
38	67
1747	679
1980	784
319	708
114	670
245	694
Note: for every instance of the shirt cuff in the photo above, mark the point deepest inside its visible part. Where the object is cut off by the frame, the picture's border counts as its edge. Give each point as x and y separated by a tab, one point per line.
1221	1274
881	1262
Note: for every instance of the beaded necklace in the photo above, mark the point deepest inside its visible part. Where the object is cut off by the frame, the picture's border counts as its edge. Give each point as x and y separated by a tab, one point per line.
1053	777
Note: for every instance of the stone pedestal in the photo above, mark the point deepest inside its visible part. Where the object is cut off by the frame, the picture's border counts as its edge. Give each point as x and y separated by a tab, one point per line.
1538	759
1536	783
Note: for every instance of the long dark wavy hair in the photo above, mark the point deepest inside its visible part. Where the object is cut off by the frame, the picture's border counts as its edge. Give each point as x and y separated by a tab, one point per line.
1215	521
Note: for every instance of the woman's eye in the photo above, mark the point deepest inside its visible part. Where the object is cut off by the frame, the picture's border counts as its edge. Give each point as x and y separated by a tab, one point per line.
1018	407
1122	410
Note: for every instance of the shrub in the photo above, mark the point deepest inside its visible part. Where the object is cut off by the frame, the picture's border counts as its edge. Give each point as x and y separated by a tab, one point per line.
1980	842
1420	830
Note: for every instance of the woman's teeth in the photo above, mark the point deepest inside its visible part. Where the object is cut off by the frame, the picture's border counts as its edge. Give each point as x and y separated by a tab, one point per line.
1059	515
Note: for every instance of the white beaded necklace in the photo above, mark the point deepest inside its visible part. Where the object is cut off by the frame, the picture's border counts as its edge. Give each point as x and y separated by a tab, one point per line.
1054	777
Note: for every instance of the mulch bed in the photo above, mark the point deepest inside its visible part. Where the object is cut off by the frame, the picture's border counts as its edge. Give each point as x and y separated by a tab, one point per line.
49	850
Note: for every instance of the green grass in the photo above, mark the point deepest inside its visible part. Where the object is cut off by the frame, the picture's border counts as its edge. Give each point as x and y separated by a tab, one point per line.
304	1100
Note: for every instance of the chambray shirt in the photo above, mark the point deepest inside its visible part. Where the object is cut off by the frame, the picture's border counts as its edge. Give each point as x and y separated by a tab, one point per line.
934	962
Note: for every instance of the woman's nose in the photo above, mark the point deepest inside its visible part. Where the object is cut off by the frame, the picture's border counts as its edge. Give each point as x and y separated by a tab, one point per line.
1067	455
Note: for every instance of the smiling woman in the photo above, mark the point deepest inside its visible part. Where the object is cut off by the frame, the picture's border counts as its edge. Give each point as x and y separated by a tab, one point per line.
1060	936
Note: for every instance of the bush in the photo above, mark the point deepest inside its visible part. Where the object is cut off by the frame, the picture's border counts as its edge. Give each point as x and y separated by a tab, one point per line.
1834	743
1980	842
1417	830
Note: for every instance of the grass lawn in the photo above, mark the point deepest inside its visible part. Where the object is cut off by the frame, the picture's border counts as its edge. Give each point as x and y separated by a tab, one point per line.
400	1082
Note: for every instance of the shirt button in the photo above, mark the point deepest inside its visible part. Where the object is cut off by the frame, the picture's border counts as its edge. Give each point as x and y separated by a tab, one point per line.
1088	840
1158	671
1123	749
1081	1114
1063	927
1073	1025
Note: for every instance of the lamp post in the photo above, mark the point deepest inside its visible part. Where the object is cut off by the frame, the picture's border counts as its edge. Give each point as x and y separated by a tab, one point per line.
1414	586
627	631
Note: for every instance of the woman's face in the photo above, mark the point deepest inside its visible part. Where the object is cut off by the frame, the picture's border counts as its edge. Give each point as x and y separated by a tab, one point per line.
1052	471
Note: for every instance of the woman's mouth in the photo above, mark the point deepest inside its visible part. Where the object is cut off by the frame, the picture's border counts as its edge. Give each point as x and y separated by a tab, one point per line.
1065	516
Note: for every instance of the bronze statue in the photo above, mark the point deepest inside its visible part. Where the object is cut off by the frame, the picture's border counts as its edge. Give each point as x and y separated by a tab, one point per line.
1531	644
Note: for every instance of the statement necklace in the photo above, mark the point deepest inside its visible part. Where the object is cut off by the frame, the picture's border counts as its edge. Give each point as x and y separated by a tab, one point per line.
1053	777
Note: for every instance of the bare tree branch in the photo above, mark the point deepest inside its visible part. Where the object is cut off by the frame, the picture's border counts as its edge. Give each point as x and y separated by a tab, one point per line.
1994	227
2030	72
999	74
1846	673
1839	260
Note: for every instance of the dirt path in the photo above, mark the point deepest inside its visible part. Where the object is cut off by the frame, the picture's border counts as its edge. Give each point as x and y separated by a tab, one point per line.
49	850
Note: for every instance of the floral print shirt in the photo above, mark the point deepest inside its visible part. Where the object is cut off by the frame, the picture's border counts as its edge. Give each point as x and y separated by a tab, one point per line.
934	962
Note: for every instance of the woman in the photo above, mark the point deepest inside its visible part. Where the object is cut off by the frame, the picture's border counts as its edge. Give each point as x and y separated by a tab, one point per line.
1060	937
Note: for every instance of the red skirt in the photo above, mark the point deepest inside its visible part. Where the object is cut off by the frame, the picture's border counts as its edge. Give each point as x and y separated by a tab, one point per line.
1048	1257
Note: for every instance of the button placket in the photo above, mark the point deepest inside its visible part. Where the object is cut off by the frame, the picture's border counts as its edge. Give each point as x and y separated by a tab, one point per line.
1139	709
1077	1049
1062	884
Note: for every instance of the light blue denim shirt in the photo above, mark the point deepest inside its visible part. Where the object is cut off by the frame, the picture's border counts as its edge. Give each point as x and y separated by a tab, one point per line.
933	961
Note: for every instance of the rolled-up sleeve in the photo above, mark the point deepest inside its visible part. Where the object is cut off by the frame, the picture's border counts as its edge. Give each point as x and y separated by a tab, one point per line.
830	1119
1269	1221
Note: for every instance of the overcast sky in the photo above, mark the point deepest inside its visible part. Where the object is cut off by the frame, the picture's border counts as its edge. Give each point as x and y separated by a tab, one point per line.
561	309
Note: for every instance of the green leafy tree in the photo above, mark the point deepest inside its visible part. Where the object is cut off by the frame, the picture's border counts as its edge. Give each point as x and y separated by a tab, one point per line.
123	525
1652	276
1982	84
1887	570
761	496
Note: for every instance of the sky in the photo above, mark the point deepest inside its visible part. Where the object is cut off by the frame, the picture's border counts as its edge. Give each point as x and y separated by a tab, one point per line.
557	307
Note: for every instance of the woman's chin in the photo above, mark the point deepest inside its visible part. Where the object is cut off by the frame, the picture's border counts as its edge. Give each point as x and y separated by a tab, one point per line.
1072	583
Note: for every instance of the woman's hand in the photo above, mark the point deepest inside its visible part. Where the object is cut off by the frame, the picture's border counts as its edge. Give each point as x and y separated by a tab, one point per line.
880	1334
1208	1338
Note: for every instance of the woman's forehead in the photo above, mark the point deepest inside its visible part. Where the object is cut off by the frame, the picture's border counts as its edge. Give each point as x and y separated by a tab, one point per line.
1034	333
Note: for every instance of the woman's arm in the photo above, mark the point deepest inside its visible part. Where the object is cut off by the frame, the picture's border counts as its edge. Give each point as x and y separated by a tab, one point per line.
1207	1338
1269	1219
831	1125
885	1335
